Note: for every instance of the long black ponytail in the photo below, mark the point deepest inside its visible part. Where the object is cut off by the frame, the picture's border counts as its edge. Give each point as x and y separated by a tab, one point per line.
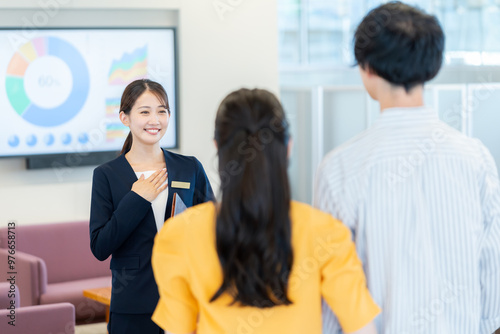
253	231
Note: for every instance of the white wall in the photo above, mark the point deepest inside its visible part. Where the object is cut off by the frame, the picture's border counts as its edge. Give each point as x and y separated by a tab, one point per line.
223	45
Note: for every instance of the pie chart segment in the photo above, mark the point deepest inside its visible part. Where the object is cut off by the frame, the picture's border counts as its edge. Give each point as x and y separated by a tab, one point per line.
40	46
17	66
15	87
28	51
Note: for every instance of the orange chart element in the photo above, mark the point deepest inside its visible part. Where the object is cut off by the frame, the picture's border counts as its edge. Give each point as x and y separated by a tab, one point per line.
131	66
18	65
123	76
25	55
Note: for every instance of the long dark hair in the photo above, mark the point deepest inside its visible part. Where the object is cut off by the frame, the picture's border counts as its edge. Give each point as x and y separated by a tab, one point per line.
253	232
130	95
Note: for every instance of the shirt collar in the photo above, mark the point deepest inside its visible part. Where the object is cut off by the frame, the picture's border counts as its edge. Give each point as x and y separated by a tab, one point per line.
407	115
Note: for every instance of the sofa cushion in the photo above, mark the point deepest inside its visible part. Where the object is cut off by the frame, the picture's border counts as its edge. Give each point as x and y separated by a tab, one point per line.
31	275
56	318
64	247
72	292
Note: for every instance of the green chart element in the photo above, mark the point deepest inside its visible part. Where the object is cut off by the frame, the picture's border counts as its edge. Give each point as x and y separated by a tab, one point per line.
15	87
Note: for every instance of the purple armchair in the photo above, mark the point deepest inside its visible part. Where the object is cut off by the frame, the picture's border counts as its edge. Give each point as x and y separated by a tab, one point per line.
54	264
55	318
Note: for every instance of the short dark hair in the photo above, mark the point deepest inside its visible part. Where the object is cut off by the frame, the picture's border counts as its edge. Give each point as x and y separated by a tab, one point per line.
400	43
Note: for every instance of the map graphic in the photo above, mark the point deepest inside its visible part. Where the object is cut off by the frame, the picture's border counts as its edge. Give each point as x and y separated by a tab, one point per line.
130	67
47	82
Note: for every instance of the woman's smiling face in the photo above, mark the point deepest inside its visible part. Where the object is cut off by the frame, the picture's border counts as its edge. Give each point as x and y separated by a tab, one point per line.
148	119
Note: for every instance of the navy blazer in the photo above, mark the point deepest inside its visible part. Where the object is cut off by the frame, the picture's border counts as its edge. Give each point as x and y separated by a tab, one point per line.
122	224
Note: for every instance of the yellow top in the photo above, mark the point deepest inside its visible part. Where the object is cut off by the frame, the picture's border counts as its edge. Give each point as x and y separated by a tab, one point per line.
188	273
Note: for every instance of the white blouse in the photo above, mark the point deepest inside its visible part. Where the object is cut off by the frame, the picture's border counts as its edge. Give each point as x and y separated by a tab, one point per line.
159	204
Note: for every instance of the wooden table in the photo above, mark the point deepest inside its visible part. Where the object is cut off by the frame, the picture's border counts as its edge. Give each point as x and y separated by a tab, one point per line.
102	295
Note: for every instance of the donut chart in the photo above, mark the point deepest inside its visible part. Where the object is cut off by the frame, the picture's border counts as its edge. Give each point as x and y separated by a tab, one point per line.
61	81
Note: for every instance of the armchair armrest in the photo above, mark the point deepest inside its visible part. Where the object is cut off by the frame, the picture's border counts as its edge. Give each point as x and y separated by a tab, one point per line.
30	277
54	318
9	295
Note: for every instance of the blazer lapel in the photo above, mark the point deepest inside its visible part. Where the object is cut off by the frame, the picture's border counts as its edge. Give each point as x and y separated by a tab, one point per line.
128	175
171	176
125	171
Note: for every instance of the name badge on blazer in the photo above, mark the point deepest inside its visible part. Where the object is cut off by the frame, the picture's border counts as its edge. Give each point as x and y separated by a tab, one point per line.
181	185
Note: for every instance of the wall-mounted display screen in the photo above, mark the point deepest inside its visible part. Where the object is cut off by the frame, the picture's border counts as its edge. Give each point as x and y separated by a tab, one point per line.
61	88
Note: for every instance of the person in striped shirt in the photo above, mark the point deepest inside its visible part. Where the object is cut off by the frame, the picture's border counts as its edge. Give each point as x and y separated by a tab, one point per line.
421	198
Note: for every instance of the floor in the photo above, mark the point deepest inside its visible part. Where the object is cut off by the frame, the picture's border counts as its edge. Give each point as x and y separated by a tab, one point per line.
99	328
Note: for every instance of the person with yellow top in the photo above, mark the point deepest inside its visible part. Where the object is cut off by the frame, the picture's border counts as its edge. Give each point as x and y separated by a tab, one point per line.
257	262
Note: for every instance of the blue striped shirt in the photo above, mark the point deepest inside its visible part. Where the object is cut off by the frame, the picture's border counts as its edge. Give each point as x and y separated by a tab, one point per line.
423	203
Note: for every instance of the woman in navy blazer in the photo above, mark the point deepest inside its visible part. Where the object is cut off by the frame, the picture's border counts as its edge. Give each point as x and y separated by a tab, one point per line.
127	210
